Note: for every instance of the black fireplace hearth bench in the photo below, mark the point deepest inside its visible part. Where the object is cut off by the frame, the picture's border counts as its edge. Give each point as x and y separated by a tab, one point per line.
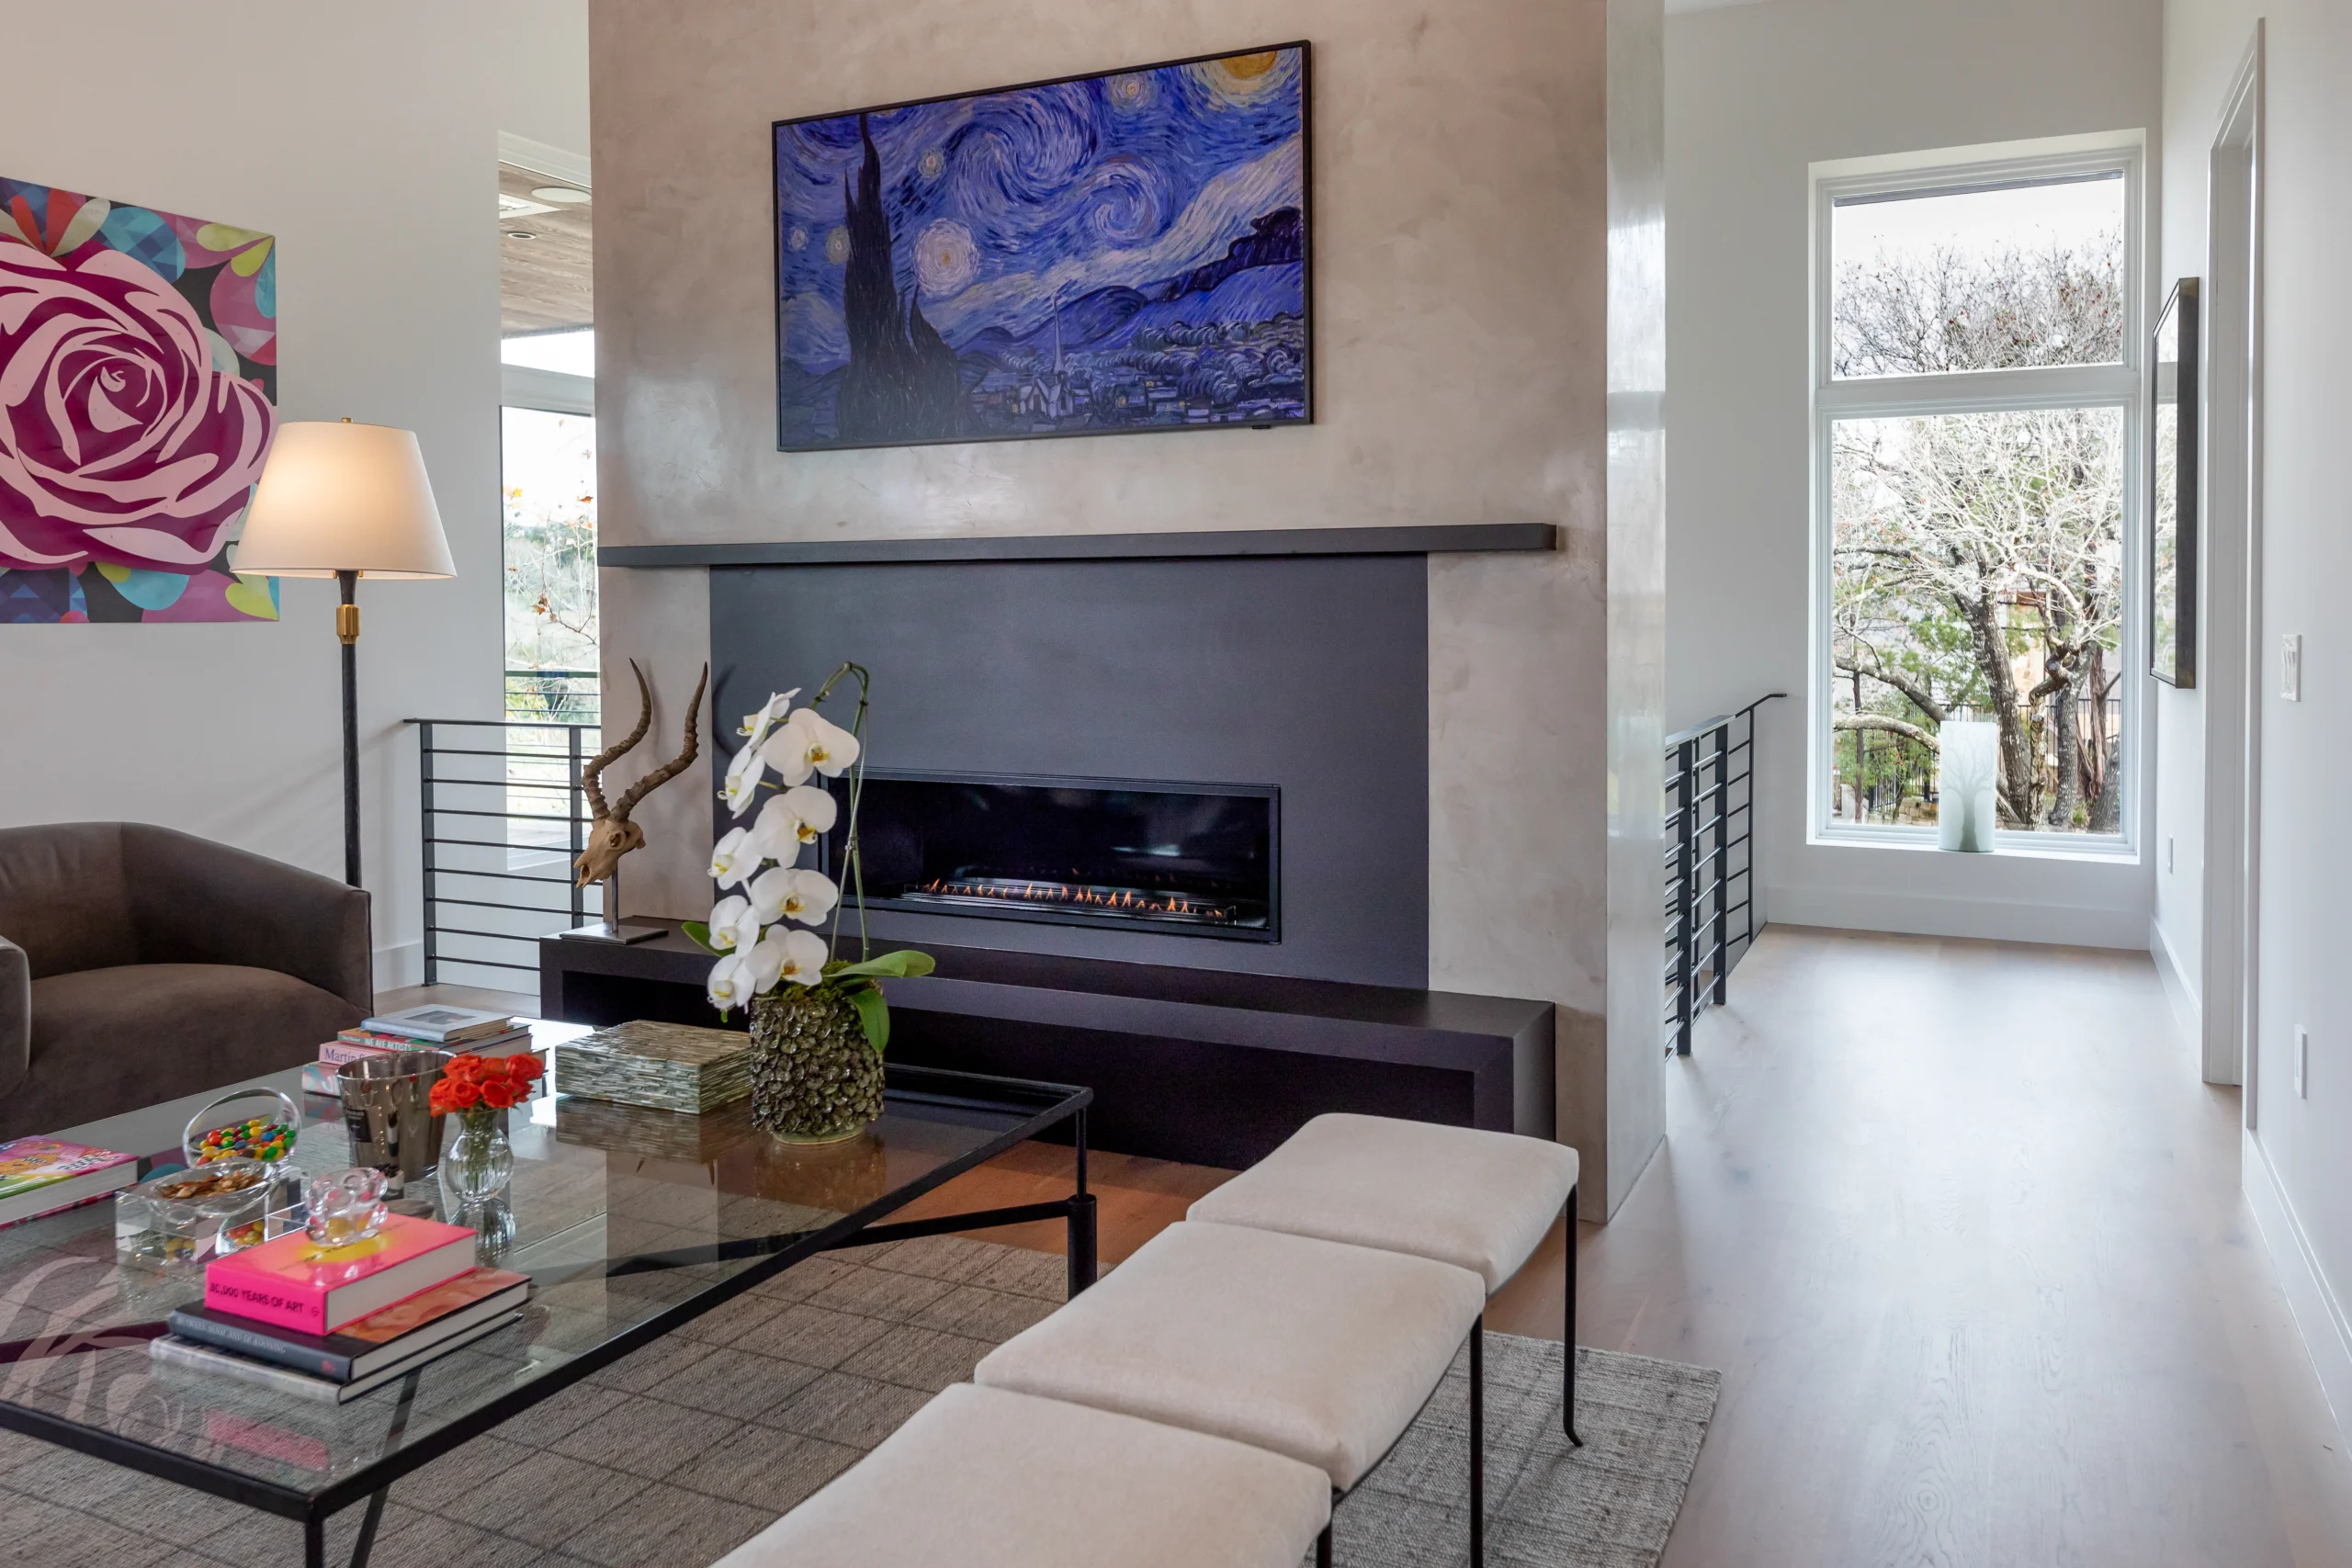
1208	1066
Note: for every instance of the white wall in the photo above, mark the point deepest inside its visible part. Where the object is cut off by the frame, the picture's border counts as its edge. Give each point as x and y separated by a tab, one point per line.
540	51
363	137
2299	1155
1754	95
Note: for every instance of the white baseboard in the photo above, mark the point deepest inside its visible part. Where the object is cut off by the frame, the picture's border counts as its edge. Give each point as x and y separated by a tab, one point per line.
2187	1009
399	966
2327	1333
1926	914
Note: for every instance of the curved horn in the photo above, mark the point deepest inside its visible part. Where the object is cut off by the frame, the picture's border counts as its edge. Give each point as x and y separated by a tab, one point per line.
591	776
675	765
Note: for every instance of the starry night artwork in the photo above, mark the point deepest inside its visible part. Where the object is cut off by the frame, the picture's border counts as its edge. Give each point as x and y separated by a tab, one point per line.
1105	253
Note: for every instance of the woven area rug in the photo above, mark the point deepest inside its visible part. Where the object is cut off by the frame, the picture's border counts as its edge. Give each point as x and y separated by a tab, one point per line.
671	1457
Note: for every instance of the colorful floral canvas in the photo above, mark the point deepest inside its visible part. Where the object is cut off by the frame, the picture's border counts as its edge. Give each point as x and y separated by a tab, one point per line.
1105	254
137	393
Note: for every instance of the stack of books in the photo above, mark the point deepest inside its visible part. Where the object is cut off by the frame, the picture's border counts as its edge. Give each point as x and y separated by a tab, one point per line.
333	1323
444	1028
40	1176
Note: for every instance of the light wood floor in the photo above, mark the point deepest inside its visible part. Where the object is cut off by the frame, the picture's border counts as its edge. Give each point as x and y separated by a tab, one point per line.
1963	1230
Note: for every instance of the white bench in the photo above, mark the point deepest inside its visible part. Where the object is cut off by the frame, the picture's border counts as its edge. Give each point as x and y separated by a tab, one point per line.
1478	1199
982	1478
1314	1349
1276	1343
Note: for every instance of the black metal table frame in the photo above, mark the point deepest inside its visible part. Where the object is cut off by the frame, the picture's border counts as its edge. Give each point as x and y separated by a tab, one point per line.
925	1086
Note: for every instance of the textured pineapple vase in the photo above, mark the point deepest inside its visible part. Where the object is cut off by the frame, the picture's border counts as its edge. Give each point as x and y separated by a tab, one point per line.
814	1077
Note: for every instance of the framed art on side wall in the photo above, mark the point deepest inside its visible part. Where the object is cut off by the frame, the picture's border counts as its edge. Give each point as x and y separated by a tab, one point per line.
138	395
1094	255
2171	491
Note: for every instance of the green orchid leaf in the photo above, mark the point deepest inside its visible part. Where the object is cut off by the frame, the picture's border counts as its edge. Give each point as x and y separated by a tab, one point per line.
874	1014
700	935
904	965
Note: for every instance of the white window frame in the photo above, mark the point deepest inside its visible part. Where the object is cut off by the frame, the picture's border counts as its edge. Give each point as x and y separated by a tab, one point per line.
1981	391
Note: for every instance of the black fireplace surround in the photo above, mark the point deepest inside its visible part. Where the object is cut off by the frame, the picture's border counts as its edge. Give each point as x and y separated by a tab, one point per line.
1073	722
1192	859
1219	961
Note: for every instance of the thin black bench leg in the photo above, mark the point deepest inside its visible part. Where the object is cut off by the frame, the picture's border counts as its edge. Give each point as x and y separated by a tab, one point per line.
1478	1442
1568	1331
1323	1548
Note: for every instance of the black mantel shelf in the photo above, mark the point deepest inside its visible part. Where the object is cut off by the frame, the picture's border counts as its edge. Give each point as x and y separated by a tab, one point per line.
1208	1066
1437	539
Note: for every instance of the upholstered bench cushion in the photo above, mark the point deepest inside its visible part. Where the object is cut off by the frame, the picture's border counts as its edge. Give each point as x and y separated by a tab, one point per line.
1306	1348
980	1478
1479	1201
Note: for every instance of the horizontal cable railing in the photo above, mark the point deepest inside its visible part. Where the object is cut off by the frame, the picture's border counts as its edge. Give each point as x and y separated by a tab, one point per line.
560	696
1710	885
503	818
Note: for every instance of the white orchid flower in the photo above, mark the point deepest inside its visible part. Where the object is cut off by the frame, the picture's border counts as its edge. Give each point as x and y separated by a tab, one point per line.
746	927
801	814
725	916
810	742
799	956
730	982
730	859
757	725
743	782
782	893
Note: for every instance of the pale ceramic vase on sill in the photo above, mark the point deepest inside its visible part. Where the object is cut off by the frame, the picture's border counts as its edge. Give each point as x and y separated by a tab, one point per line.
1968	761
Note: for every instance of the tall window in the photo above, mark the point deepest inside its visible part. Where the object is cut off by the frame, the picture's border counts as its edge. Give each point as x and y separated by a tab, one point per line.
1976	388
547	453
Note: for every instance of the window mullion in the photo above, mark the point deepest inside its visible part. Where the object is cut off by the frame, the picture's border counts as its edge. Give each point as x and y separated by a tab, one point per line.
1978	392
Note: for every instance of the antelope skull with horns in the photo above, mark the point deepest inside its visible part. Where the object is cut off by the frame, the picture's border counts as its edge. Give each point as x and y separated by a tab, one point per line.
612	835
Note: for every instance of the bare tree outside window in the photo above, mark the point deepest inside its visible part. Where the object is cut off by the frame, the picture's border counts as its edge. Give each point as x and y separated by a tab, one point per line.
1976	558
549	480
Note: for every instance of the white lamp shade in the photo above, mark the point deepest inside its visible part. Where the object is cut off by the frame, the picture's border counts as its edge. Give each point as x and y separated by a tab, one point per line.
343	497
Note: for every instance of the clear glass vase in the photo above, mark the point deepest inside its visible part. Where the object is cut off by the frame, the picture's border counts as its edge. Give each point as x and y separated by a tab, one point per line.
477	1162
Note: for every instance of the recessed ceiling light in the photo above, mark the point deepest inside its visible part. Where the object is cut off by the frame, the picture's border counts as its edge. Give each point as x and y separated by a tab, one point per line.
522	234
563	196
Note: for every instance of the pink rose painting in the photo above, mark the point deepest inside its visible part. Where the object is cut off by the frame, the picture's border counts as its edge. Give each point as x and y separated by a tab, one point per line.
138	390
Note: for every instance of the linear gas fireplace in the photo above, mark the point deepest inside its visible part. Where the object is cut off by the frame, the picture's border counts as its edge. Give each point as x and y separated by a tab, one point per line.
1202	860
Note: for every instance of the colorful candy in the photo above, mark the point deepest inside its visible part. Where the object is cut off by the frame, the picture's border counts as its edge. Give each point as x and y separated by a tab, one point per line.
259	1138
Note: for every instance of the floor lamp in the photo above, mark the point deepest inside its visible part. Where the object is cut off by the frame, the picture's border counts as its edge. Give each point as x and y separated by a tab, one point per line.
344	501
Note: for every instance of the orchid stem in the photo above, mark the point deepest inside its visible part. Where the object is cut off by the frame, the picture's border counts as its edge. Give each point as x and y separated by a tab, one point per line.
853	863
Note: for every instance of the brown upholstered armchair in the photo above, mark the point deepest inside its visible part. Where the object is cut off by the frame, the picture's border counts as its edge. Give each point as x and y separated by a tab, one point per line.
138	964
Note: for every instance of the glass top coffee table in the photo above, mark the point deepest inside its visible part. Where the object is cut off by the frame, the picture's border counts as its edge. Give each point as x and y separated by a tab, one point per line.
630	1223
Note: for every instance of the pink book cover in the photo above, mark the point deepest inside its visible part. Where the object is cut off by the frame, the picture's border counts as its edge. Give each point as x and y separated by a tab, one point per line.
296	1284
334	1053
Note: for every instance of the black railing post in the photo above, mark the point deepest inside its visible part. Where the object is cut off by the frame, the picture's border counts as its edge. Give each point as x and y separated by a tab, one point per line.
424	818
573	801
1685	756
1718	962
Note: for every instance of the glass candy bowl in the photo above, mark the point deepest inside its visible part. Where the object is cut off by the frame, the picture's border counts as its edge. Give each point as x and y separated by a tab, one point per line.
183	1219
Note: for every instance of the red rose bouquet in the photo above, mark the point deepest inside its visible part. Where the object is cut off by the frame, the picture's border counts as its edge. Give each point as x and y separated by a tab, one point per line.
478	1090
474	1086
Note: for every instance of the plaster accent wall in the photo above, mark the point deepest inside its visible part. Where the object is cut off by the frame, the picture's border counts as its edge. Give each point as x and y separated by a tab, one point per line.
1754	94
2298	1148
1462	210
364	138
1637	503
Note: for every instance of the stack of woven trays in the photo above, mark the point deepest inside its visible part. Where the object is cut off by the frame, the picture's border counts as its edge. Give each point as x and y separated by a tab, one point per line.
665	1066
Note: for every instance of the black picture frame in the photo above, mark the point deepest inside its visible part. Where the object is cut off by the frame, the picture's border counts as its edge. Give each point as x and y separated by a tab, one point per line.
2174	412
788	440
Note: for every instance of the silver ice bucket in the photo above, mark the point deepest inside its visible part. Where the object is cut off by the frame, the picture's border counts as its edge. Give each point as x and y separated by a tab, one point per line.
387	1109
